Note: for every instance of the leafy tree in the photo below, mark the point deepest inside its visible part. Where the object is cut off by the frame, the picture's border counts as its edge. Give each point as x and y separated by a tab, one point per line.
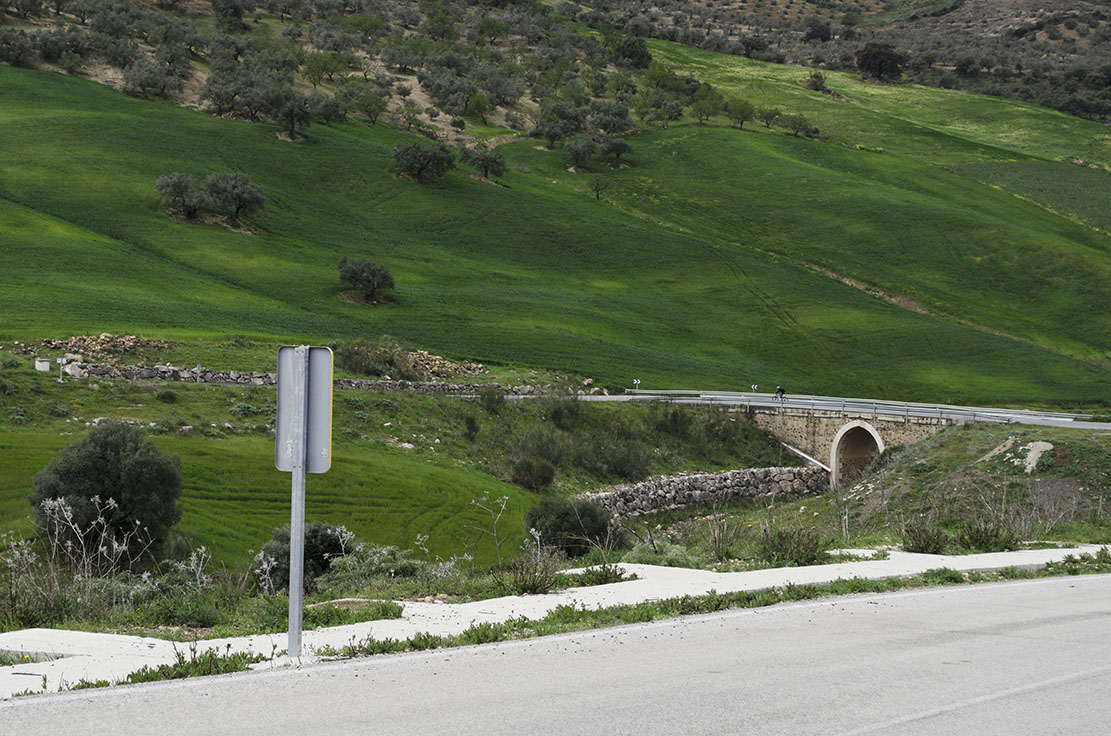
234	194
631	51
795	123
231	12
707	103
374	282
818	31
327	108
768	115
599	186
16	48
423	162
739	111
285	106
114	461
410	113
480	105
616	147
315	67
488	162
145	78
879	61
182	192
579	151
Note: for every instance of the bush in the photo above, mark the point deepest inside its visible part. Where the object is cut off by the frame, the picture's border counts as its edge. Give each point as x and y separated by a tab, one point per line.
664	553
534	473
565	412
167	396
357	569
113	461
791	544
942	576
492	398
988	535
532	572
323	543
242	410
924	536
367	359
570	525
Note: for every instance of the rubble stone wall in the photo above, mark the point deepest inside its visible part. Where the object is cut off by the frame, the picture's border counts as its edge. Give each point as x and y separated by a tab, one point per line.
208	375
669	492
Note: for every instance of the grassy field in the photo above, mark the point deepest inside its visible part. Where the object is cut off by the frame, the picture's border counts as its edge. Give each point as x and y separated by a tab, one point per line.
694	270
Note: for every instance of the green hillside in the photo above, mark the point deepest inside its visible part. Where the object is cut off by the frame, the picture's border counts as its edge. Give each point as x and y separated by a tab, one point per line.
698	267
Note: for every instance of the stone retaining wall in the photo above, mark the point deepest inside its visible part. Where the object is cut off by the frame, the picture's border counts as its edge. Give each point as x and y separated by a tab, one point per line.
208	375
668	492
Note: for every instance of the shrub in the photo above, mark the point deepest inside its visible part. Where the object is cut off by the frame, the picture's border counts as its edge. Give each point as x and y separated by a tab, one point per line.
365	358
988	535
791	544
167	396
662	552
243	410
942	576
565	412
323	543
924	536
570	525
492	398
534	571
534	473
352	571
114	461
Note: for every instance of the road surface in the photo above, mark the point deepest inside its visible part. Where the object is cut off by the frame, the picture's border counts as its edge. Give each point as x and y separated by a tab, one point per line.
1029	657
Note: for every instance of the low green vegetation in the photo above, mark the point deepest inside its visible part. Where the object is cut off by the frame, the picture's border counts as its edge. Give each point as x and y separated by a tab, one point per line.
198	664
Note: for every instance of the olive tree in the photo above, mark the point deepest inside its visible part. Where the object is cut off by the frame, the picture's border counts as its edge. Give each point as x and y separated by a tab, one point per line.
234	194
423	162
374	282
181	192
113	461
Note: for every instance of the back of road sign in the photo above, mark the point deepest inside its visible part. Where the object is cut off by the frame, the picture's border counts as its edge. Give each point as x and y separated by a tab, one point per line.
318	433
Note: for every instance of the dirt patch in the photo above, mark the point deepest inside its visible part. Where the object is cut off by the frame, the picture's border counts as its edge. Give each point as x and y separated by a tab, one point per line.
354	297
897	300
1003	447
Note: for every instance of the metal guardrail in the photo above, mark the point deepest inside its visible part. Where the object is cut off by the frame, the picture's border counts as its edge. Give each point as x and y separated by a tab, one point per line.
875	407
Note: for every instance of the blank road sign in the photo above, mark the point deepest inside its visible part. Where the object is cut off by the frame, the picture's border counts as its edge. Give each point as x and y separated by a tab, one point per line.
318	435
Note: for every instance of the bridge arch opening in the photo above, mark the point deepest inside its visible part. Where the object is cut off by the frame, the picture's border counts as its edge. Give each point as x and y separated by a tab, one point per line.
854	448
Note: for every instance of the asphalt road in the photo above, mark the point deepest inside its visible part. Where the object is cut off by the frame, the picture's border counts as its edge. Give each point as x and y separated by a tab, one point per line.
1030	657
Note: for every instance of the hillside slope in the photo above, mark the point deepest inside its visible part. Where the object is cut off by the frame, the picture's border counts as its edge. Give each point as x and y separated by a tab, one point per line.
706	263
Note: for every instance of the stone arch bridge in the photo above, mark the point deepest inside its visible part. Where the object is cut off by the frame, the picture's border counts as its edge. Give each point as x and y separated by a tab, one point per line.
844	442
844	436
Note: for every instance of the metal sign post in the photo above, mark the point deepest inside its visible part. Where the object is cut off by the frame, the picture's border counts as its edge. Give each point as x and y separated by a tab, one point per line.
303	445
